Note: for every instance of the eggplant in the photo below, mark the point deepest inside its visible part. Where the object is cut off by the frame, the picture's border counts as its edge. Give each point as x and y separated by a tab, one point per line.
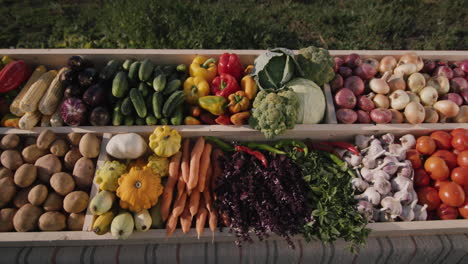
72	90
77	63
73	111
95	95
99	116
87	77
68	77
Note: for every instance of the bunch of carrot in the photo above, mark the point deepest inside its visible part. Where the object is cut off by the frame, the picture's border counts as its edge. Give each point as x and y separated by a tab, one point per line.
194	173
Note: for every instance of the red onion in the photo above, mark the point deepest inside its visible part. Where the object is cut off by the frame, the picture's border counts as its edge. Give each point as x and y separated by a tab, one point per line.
454	97
345	98
429	66
346	116
355	84
457	84
365	103
363	117
345	71
365	71
336	83
443	71
381	115
338	63
464	94
353	60
458	72
463	65
73	111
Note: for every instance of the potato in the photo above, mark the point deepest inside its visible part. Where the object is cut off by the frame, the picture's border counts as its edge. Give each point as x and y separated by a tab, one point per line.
76	202
38	194
74	138
9	141
59	147
46	166
25	175
8	190
62	183
32	153
6	219
45	138
75	222
54	202
4	172
11	159
21	198
26	218
52	221
90	145
72	156
28	141
83	172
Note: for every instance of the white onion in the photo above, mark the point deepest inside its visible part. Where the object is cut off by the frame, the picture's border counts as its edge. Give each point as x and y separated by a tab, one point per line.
446	109
412	58
399	99
413	97
440	83
381	101
387	63
405	69
396	82
416	82
431	115
428	95
462	116
415	113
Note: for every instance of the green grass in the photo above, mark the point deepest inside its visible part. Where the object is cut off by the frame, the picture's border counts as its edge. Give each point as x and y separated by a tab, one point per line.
345	24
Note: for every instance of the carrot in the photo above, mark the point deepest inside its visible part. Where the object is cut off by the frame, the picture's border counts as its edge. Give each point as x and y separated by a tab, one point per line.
204	165
216	164
201	220
209	174
213	221
186	220
171	225
226	220
180	185
166	200
208	200
195	163
185	159
194	202
179	205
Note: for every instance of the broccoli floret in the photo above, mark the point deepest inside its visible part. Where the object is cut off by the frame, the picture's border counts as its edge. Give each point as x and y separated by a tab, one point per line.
274	113
316	64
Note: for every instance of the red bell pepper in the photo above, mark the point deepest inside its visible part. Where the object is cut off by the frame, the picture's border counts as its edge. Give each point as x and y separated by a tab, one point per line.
224	85
13	75
223	120
230	64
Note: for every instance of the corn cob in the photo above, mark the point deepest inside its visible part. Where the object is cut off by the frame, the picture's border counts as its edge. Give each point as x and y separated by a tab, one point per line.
45	121
15	105
29	120
31	100
52	96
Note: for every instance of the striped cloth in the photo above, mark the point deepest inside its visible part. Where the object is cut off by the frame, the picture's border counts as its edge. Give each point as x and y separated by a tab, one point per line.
408	249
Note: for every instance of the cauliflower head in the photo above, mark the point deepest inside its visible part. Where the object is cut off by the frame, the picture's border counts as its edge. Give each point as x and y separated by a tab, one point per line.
159	165
316	64
274	112
107	176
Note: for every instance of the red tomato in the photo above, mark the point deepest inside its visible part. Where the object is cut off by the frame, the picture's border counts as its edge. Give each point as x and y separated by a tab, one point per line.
462	159
421	178
460	142
459	131
452	194
459	175
428	195
415	157
449	157
442	139
438	183
463	210
446	212
456	152
436	168
425	145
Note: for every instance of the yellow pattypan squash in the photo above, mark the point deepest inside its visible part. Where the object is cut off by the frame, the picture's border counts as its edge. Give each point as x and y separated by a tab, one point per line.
107	176
139	189
159	165
165	141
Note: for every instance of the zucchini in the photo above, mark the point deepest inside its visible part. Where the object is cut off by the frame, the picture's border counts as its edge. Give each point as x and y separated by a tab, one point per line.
164	121
143	88
157	104
138	102
120	85
133	71
172	86
126	65
178	116
140	121
127	107
110	70
174	100
159	82
146	70
129	121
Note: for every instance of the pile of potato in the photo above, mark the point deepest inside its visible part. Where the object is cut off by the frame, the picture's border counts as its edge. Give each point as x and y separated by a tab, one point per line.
45	181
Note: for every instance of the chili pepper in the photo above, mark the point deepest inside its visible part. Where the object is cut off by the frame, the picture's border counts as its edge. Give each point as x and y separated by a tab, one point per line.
342	145
207	118
213	104
223	120
241	118
12	75
238	102
296	144
248	70
194	88
190	120
230	64
203	67
256	154
321	147
224	85
220	144
266	147
335	159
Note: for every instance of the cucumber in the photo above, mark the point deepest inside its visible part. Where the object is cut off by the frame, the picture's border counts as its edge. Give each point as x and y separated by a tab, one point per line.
144	89
178	116
138	102
117	118
126	65
182	68
110	70
127	107
157	71
174	100
159	82
133	71
129	121
149	102
120	85
169	69
146	70
151	120
157	104
164	121
172	86
140	121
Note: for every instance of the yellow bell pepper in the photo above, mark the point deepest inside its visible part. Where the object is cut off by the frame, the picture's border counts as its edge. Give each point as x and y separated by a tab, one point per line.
190	120
249	86
238	102
204	68
213	104
194	88
248	69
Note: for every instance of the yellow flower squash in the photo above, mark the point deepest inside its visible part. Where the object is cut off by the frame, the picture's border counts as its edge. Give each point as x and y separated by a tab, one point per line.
139	189
107	176
159	165
165	141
